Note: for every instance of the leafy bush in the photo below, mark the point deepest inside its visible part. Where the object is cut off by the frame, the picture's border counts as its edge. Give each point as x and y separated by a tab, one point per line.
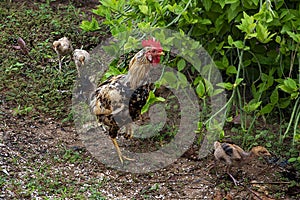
253	42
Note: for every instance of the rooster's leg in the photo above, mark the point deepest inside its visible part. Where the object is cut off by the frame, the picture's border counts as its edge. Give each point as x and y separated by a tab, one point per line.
234	180
59	62
119	151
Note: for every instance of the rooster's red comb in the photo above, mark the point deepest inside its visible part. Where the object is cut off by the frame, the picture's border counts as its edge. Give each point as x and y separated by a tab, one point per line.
151	42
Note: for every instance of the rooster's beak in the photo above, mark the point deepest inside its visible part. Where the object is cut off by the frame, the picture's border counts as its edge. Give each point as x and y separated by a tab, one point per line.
161	53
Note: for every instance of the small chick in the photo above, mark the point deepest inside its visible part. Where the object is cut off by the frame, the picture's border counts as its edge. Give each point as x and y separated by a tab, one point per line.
62	47
234	155
80	57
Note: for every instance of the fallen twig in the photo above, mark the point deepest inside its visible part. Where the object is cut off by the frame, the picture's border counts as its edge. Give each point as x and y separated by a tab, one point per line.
276	182
255	193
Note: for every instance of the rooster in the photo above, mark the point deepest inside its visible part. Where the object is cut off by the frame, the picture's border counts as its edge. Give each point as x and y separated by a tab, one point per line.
62	47
234	155
118	101
80	57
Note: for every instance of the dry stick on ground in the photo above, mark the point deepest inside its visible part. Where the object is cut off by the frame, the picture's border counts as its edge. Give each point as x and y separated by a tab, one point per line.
255	193
271	183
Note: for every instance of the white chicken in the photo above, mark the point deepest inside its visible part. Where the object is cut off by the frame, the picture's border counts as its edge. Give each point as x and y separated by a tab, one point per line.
81	58
234	155
62	47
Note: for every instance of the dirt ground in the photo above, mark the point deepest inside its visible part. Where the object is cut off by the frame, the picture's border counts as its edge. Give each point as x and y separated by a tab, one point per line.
41	151
30	144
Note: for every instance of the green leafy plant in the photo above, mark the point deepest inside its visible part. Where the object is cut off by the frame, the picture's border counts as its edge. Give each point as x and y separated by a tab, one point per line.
254	44
151	100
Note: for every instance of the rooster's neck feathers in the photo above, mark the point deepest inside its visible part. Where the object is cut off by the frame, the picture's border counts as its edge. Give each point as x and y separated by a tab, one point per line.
139	68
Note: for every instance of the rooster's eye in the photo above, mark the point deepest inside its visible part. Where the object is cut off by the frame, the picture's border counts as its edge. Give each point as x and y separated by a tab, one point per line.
153	50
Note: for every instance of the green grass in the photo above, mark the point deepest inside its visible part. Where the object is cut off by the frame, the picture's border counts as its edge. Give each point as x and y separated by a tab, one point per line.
32	83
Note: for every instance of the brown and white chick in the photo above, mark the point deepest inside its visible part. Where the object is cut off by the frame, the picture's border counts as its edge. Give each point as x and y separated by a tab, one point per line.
234	155
81	58
62	47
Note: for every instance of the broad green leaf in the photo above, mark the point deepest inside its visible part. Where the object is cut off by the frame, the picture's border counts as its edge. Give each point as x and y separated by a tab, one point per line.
279	4
238	44
220	46
231	70
169	78
274	97
90	25
205	21
151	100
144	9
227	86
182	80
181	64
108	3
278	39
209	87
267	109
200	89
233	11
295	37
292	160
284	102
252	106
178	9
230	40
264	77
161	99
145	108
254	91
221	2
266	14
220	64
287	15
217	91
225	61
101	11
207	4
255	2
222	134
238	81
286	89
291	84
247	25
231	1
294	95
219	23
197	80
263	35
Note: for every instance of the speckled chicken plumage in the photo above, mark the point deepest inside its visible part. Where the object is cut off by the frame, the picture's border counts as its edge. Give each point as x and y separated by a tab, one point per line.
118	101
